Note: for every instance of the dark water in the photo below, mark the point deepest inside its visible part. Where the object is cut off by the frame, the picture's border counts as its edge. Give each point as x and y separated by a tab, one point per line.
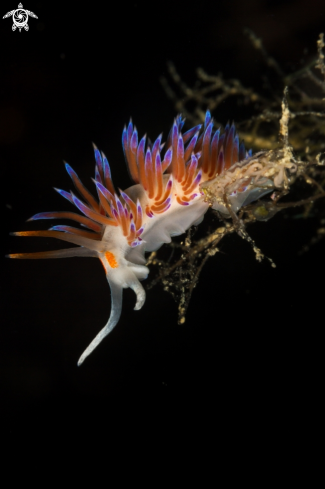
253	333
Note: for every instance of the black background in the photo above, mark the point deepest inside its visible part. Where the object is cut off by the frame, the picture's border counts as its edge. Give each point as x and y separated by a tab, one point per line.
253	333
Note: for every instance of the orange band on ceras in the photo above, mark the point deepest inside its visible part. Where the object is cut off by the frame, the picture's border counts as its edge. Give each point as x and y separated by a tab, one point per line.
111	260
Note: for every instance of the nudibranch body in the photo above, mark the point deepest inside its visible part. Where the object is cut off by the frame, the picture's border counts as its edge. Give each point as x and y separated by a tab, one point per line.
169	196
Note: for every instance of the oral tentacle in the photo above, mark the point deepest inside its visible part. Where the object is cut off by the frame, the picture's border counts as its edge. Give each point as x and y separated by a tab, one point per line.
119	276
116	309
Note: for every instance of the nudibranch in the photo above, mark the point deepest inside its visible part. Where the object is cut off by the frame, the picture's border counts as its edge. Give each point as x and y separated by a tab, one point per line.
171	193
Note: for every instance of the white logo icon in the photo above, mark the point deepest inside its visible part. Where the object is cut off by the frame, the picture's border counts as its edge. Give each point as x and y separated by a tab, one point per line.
20	18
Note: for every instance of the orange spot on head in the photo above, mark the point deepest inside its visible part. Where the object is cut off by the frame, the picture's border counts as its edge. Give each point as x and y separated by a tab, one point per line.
111	259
